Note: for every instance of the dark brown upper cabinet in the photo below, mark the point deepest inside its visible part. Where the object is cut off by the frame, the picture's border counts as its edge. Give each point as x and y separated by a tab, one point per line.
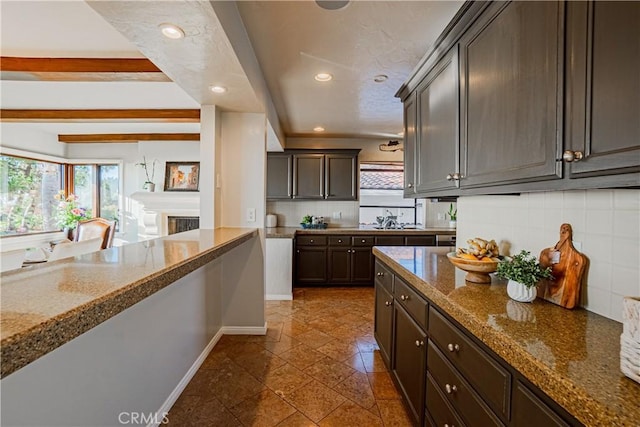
279	173
341	177
308	176
603	88
410	157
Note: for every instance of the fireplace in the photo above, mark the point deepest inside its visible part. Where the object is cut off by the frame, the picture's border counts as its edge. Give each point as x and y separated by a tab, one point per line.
178	224
157	208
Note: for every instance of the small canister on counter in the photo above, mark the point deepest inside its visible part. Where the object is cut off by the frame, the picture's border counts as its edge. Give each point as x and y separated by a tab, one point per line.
271	221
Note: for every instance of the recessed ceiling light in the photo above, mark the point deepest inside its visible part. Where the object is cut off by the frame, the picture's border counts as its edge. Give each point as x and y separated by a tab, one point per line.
323	77
318	129
171	31
380	78
332	4
217	89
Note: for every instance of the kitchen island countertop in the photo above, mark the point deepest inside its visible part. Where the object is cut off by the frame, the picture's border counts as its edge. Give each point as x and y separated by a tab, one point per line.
571	355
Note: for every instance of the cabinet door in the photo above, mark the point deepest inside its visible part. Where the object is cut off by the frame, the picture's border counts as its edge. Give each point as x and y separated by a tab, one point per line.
279	176
341	177
362	265
311	265
409	361
512	93
438	127
603	87
530	411
308	176
339	265
410	125
383	324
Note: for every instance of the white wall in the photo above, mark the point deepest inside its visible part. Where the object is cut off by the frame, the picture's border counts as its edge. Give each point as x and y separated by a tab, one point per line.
606	224
20	137
369	147
290	213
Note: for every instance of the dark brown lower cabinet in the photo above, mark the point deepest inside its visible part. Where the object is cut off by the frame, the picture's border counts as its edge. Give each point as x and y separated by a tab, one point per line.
383	326
409	361
339	265
361	265
531	411
439	412
311	265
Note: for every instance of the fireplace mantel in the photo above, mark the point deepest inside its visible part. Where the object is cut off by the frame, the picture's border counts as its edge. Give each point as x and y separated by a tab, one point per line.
157	207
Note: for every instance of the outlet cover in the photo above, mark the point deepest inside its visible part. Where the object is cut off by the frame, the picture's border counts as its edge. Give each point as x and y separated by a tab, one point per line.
337	215
251	215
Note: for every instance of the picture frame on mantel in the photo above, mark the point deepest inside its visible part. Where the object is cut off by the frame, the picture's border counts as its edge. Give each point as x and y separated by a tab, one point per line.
182	176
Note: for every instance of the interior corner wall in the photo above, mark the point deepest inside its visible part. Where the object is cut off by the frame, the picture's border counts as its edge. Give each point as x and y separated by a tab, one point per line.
243	169
217	203
207	186
21	137
370	151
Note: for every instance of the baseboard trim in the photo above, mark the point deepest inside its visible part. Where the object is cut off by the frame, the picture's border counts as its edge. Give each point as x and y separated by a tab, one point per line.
278	297
175	394
245	330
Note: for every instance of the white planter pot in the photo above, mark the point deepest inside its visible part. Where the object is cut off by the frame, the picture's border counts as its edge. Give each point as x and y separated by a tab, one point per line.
452	224
149	186
520	292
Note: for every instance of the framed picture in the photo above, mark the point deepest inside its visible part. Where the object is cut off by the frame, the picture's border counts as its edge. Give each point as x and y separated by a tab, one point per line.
182	176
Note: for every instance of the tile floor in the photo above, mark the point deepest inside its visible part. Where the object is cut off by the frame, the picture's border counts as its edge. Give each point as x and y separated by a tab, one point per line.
319	364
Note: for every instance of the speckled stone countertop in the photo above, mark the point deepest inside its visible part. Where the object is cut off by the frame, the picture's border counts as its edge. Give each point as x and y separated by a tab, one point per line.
290	232
46	305
571	355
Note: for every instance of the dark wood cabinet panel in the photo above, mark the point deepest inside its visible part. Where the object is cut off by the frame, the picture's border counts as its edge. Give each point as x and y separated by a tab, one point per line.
315	240
512	92
410	158
530	411
389	241
439	413
438	127
603	87
279	176
341	177
339	265
420	240
361	265
415	305
383	324
308	176
409	361
311	265
384	276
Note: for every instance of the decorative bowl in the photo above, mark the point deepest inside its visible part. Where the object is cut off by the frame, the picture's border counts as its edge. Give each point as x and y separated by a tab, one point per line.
477	271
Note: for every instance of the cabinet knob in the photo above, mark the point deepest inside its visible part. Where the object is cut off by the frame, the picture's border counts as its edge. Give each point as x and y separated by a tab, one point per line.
419	343
450	389
572	156
457	176
453	347
387	303
409	185
404	297
380	273
339	240
447	425
298	251
311	240
348	251
449	177
363	241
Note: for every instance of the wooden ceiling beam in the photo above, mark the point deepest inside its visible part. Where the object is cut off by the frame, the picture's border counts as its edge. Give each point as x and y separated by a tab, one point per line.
128	115
126	137
80	69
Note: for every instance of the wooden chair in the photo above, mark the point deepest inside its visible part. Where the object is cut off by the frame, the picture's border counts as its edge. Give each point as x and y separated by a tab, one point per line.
67	250
96	227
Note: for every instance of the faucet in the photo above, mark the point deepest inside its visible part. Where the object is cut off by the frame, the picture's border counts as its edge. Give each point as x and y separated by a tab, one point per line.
390	221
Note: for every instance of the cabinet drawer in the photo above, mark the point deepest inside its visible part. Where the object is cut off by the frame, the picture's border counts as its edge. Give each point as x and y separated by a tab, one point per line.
420	240
491	380
339	241
384	277
389	240
439	413
311	240
457	391
411	301
363	241
530	411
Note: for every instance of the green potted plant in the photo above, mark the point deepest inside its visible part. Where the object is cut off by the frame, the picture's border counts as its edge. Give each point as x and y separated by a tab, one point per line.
523	272
306	221
148	185
453	216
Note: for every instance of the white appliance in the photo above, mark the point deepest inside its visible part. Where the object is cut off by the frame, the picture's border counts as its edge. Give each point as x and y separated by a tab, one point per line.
272	221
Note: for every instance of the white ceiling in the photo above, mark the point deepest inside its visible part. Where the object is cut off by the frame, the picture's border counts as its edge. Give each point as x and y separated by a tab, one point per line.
292	41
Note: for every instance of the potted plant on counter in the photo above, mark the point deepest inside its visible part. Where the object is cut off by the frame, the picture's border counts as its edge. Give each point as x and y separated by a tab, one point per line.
523	272
453	216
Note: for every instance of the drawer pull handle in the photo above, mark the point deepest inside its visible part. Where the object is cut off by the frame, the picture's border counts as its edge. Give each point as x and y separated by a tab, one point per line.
450	389
453	347
388	303
419	343
380	274
404	297
363	241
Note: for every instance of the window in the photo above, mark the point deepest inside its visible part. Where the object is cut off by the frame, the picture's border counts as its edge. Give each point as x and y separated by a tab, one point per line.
381	194
29	187
27	195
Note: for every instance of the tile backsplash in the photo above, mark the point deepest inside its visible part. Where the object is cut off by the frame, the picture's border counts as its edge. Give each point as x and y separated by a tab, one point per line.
606	228
290	213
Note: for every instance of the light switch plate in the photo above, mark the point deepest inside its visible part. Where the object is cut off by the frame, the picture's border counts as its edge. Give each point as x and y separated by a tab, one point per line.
251	215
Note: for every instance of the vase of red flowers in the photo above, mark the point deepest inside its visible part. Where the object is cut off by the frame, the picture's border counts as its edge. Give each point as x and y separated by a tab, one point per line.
69	212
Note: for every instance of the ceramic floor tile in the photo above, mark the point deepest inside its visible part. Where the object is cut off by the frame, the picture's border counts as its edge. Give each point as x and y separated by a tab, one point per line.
231	384
373	361
315	400
355	361
295	327
339	349
285	379
393	413
350	414
357	389
302	356
297	420
382	386
314	338
285	343
264	410
367	343
329	371
199	411
259	364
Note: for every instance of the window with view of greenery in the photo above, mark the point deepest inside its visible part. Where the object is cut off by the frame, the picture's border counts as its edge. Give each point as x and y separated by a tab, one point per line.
29	187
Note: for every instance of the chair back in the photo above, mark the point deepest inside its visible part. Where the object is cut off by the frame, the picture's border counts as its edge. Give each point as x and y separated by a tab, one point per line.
12	260
71	249
96	227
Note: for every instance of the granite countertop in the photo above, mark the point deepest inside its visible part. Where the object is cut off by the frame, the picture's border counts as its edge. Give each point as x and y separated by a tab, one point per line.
290	232
571	355
46	305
